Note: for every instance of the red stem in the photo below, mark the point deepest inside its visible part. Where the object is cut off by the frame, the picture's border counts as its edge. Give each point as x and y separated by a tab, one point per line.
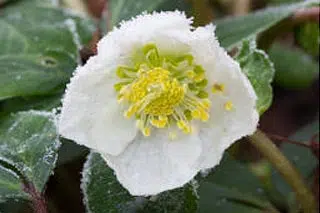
38	201
306	15
285	139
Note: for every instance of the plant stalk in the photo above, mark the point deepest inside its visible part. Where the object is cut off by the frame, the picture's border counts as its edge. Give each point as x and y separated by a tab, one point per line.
286	169
38	201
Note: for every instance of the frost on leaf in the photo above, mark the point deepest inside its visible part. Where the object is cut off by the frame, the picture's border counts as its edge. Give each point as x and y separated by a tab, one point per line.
99	182
29	144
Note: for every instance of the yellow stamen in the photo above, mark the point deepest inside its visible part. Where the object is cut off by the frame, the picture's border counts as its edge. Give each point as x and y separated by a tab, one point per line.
195	114
187	129
203	94
199	77
228	106
190	74
172	135
218	88
188	115
162	91
206	103
146	131
158	123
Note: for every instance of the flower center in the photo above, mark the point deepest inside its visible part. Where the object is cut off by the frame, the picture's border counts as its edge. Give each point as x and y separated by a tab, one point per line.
161	91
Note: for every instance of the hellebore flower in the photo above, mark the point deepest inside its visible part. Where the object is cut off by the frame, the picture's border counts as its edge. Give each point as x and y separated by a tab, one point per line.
160	101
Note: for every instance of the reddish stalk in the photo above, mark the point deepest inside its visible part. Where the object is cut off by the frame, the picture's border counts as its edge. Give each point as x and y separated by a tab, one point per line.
306	15
286	140
313	145
38	201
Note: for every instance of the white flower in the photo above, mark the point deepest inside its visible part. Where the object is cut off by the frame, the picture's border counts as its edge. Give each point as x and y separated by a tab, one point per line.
160	101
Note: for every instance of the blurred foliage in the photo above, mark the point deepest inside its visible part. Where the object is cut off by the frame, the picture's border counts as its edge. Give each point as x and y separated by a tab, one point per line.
283	1
224	193
233	30
302	158
125	9
308	36
294	68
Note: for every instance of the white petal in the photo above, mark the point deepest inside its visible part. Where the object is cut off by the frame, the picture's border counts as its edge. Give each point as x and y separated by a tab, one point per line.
91	115
146	28
155	164
223	127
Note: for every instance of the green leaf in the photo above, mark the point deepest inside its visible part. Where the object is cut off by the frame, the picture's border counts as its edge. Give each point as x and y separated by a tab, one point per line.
181	200
231	187
125	9
308	36
39	48
260	71
232	31
16	206
99	183
10	185
29	145
301	157
16	104
294	68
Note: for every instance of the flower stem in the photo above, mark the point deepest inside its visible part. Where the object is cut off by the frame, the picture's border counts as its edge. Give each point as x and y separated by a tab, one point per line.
286	169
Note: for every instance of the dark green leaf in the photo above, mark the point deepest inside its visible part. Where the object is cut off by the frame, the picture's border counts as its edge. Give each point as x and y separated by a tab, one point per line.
39	48
99	183
16	206
294	68
260	71
29	145
232	31
231	187
308	36
10	185
181	200
125	9
46	103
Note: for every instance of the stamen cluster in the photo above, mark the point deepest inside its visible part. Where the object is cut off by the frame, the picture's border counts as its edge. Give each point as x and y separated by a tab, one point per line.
161	91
